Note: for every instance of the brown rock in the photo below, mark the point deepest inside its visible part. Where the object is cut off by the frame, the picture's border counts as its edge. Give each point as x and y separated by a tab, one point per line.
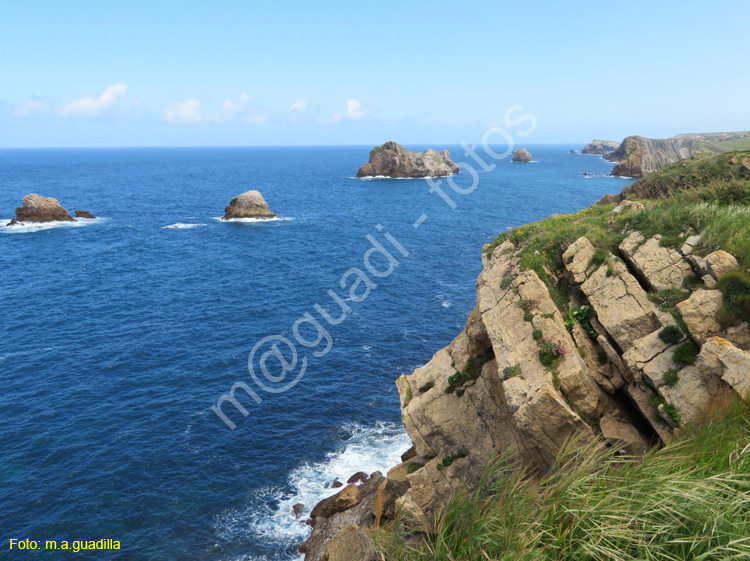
393	160
40	209
521	155
297	509
345	499
358	477
409	454
336	484
699	313
352	544
249	204
84	214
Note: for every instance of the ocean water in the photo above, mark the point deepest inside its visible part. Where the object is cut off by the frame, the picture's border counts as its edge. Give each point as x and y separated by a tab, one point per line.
119	334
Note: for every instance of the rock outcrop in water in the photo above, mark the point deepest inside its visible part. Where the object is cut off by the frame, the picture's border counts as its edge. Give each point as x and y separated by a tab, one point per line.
602	147
524	379
521	155
638	156
249	204
84	214
393	160
40	209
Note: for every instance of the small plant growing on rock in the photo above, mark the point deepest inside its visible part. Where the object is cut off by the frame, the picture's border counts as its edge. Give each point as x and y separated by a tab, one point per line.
512	371
600	256
549	351
735	288
685	354
408	396
506	281
671	377
411	467
537	334
528	307
671	335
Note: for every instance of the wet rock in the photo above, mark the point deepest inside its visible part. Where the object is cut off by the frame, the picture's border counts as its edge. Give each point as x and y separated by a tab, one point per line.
297	509
40	209
341	501
84	214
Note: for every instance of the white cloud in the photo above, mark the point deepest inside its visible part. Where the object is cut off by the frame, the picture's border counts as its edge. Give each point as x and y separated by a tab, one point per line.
298	106
29	107
184	111
230	109
355	110
92	106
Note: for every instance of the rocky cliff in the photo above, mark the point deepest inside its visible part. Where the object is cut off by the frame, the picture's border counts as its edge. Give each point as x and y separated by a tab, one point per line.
393	160
584	328
602	147
638	156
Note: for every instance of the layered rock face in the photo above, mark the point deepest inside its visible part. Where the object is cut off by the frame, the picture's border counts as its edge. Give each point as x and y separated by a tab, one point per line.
521	155
638	156
249	204
393	160
40	209
601	147
521	381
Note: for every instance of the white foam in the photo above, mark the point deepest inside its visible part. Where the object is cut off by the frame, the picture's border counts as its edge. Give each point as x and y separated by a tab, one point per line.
251	220
369	177
181	226
29	227
269	515
447	304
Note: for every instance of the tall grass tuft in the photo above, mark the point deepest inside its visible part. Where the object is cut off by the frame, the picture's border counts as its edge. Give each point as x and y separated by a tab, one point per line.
688	500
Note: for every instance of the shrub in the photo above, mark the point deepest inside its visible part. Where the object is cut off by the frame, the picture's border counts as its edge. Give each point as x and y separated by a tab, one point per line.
506	281
671	335
549	352
512	371
685	354
671	377
528	307
599	258
537	334
411	467
735	288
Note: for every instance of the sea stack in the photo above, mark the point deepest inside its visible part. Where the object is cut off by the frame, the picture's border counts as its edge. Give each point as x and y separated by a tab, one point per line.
40	209
84	214
521	155
249	204
393	160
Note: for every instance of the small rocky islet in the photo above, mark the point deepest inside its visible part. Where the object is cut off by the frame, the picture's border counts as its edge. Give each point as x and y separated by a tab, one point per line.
39	209
522	155
392	160
249	204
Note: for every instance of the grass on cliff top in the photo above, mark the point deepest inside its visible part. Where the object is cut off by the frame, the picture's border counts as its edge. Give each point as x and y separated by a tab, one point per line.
716	205
689	500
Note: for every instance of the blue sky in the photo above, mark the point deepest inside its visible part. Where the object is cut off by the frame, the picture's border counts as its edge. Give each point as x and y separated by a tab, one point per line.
293	73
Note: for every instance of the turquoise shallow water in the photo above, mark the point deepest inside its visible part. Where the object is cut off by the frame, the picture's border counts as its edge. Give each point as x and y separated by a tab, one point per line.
119	335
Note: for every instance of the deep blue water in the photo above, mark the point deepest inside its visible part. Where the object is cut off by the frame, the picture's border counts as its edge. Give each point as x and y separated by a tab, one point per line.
118	336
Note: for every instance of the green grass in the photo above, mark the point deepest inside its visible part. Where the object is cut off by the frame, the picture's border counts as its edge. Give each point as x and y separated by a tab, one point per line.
671	377
471	372
735	289
685	354
688	500
671	334
512	371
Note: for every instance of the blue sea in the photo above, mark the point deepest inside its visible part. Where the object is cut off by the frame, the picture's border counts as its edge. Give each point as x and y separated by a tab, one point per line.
119	334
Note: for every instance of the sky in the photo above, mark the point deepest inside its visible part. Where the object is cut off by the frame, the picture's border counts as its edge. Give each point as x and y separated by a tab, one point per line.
236	73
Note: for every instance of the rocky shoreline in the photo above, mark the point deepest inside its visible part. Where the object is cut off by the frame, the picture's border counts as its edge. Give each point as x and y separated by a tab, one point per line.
524	378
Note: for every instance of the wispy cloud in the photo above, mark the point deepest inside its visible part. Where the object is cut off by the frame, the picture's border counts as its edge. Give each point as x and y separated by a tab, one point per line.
230	109
92	106
184	111
30	107
355	111
298	106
